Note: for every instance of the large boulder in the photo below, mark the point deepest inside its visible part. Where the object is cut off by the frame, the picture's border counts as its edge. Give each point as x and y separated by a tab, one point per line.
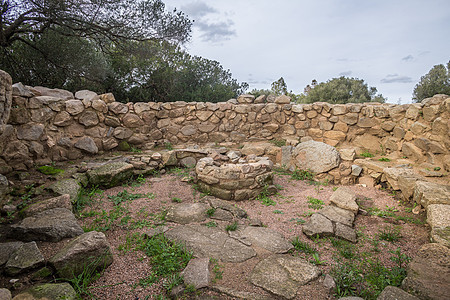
62	201
283	275
428	274
26	257
426	193
90	250
316	156
51	225
49	291
392	292
110	174
67	186
6	249
210	242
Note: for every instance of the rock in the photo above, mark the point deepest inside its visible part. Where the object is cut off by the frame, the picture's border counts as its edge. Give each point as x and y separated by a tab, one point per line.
74	107
438	215
89	118
428	274
392	292
51	225
89	249
20	90
26	257
62	201
441	235
393	174
67	186
316	156
58	93
221	214
227	206
245	99
85	95
87	144
186	213
116	107
30	132
347	154
210	242
266	238
132	121
283	99
345	199
62	119
283	275
196	273
110	174
188	162
356	170
338	215
5	294
329	283
6	249
49	291
345	232
426	193
318	225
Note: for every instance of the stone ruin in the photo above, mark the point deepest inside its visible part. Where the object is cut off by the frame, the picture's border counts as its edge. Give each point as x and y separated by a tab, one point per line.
237	178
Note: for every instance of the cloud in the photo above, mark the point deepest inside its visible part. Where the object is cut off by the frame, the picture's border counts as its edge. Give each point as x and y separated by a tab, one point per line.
395	78
408	58
345	73
197	9
215	32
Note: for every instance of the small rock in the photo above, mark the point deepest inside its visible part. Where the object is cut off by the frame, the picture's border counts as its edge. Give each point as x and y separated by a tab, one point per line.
49	291
318	225
328	282
186	213
6	249
5	294
196	273
392	292
345	199
26	257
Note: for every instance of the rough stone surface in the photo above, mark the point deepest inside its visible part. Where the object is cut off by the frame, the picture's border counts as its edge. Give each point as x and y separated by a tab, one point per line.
197	273
426	193
441	235
227	206
5	294
51	225
87	144
6	249
337	214
62	201
345	199
66	186
186	213
283	275
210	242
49	291
110	174
438	215
345	232
393	175
89	248
316	156
395	293
428	274
266	238
26	257
318	225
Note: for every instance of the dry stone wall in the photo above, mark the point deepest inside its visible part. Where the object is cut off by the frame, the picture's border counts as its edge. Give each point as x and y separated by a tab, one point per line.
52	125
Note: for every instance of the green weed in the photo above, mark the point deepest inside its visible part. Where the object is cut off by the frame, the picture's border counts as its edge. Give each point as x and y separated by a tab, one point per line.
389	233
384	159
211	224
85	197
217	269
278	143
49	170
264	198
314	203
176	200
302	175
303	247
231	227
210	212
366	153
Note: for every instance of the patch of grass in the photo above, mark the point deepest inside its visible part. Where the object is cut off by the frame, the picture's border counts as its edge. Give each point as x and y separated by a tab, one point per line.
166	259
384	159
210	212
315	203
303	247
211	224
264	198
344	248
135	150
217	270
316	259
308	213
176	200
168	146
276	211
389	233
49	170
173	280
278	143
281	170
85	198
302	175
127	196
298	221
366	154
368	277
231	227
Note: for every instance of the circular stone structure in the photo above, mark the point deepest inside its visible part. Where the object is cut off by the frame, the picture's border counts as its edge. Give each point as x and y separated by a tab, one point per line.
241	179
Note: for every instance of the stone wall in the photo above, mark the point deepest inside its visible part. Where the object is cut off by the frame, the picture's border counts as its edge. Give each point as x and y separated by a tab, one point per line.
53	125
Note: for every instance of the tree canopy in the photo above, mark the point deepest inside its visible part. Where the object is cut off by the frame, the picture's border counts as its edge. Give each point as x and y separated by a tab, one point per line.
341	90
128	47
436	81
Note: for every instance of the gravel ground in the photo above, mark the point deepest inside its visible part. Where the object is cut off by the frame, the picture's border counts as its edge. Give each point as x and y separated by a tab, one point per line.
121	279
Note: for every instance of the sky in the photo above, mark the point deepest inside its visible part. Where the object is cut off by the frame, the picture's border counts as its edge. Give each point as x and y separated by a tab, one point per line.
389	44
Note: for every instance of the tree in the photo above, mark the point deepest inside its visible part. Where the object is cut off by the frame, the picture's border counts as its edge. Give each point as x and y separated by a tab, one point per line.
279	87
66	43
436	81
341	90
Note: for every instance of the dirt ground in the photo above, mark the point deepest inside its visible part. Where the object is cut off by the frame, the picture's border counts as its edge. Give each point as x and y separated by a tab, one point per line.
286	215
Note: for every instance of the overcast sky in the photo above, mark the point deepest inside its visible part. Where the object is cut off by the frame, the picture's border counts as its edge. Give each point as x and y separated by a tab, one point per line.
388	43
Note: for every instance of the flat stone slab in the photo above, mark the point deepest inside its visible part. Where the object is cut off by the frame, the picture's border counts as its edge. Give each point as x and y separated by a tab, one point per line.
318	225
345	199
428	274
6	249
229	206
62	201
438	215
283	275
186	213
110	174
26	257
67	186
338	215
49	291
210	242
392	292
196	273
266	238
51	225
